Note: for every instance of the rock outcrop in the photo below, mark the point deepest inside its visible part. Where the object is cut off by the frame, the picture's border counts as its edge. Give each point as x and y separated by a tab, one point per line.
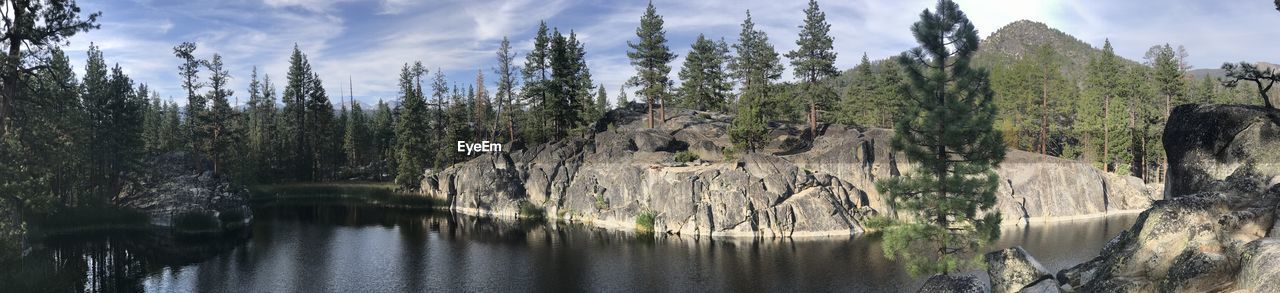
177	184
1208	143
1012	269
795	186
1215	232
952	284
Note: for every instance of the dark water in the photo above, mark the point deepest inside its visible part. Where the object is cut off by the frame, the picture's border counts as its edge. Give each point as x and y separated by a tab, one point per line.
340	248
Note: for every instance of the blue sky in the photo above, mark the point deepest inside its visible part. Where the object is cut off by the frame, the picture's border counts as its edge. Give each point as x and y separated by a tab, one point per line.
368	40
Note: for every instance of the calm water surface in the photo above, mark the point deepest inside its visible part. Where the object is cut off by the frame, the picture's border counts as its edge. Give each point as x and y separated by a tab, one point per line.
340	248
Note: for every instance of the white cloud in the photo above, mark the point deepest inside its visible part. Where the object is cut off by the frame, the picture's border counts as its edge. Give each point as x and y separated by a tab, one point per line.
368	40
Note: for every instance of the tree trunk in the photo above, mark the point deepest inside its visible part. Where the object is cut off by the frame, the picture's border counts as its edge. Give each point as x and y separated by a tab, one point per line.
1044	113
13	62
813	118
662	112
649	101
1106	134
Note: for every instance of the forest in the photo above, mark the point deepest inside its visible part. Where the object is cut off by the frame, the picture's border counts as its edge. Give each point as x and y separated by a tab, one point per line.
72	141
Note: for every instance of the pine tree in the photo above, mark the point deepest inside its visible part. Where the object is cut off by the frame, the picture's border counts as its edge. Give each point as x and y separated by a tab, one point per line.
32	30
602	101
1097	113
1264	79
356	138
218	127
505	92
947	129
536	72
482	109
650	56
48	122
294	116
412	131
814	61
196	103
255	131
756	66
705	84
382	132
324	141
1167	77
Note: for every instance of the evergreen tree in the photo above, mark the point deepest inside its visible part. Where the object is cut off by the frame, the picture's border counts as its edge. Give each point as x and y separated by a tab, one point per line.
947	129
48	122
114	119
294	116
602	102
153	121
482	109
218	127
705	84
756	66
356	139
536	72
189	72
412	131
1097	117
325	143
1167	78
505	92
814	61
32	30
1264	79
261	130
382	131
650	56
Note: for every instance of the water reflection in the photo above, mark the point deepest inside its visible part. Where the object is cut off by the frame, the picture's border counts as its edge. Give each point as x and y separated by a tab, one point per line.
340	248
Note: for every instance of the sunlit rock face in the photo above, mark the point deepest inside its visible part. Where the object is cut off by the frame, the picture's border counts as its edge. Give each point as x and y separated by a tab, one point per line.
798	184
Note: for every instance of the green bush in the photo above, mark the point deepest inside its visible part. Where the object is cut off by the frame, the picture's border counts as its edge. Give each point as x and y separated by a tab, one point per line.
686	156
644	221
601	203
195	221
529	210
730	154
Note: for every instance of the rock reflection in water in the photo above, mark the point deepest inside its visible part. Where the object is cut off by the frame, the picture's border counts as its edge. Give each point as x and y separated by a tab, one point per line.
340	248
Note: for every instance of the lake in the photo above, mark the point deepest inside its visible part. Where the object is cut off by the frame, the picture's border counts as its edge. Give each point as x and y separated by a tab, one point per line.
328	247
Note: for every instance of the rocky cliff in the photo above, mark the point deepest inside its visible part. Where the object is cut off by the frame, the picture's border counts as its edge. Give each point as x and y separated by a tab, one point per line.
177	184
796	186
1216	232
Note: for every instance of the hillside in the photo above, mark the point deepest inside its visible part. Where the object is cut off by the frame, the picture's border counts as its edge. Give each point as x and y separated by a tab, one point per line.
1016	39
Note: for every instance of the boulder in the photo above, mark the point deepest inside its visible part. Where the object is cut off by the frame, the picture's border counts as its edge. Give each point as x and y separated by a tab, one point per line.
1012	269
952	284
651	140
1260	266
178	183
1208	143
1043	286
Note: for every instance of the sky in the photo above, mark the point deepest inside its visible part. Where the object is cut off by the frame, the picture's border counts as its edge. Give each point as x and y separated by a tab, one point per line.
367	41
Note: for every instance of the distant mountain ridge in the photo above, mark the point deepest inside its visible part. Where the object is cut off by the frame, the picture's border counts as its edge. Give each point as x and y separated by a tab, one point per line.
1018	38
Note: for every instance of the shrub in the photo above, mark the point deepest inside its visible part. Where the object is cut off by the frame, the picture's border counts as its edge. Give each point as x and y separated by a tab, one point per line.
529	210
730	154
644	221
601	203
686	156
